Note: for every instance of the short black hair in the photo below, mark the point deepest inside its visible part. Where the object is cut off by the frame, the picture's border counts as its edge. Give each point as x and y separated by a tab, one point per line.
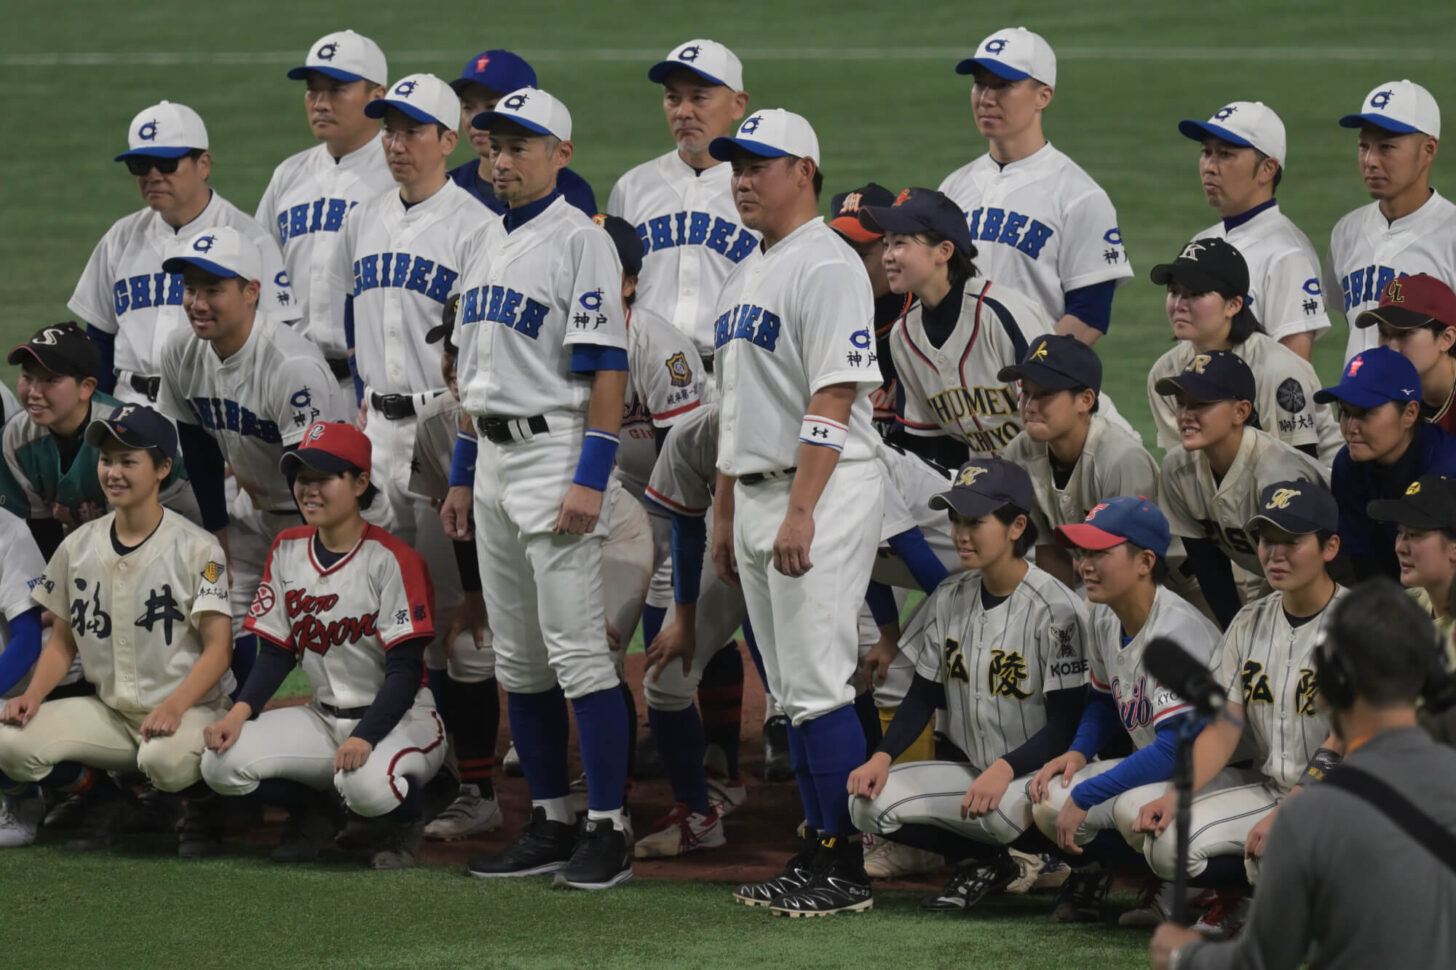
1007	514
961	266
1096	396
1278	172
1386	641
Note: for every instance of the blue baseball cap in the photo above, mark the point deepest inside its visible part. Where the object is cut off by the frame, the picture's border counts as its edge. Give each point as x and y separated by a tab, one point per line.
500	70
1057	362
135	426
984	485
921	210
1297	507
1113	521
1373	377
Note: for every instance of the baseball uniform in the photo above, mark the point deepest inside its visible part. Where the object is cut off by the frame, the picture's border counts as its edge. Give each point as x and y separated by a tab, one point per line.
1284	271
9	407
20	568
664	384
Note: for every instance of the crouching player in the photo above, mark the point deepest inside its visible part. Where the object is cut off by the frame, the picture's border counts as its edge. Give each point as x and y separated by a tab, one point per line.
1001	647
141	595
356	604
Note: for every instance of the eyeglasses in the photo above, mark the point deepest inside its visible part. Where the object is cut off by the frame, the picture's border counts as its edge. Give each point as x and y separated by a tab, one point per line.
142	164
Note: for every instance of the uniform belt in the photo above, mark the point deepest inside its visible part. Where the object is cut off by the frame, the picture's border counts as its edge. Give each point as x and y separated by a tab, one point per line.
757	478
398	407
150	386
500	430
343	713
340	366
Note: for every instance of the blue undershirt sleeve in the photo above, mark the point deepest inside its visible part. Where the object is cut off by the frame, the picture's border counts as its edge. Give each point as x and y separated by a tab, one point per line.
21	652
1099	724
1153	763
590	358
1092	304
689	538
106	344
206	470
911	546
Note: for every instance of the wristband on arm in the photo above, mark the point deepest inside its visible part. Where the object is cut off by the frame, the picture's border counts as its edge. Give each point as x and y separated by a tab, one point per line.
825	432
598	457
1324	759
462	460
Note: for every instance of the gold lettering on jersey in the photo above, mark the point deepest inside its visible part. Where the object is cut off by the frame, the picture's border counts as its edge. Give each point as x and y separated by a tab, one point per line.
1255	684
1198	364
1005	674
955	664
1304	693
1282	497
959	406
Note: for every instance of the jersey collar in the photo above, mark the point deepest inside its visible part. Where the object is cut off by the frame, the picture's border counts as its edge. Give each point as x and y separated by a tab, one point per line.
1233	222
518	217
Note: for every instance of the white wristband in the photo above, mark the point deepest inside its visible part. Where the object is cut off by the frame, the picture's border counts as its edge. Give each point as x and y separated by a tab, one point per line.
823	431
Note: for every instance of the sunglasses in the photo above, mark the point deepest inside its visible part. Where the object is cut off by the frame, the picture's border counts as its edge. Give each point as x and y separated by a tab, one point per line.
142	164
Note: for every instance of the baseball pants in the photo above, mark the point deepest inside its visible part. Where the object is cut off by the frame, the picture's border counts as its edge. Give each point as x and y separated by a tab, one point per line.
659	593
1100	818
1222	814
627	557
930	793
299	743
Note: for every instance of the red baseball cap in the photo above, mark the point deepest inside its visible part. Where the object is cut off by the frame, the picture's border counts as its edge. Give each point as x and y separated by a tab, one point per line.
1408	302
331	446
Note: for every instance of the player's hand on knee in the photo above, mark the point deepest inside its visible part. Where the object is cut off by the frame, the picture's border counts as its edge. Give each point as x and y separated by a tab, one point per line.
352	754
469	615
725	562
985	794
1069	820
869	779
1156	815
162	722
1065	765
223	733
19	710
579	510
791	546
673	642
1258	839
876	666
455	513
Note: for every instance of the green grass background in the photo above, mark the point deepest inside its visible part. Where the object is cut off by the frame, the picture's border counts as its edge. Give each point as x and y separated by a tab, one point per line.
876	81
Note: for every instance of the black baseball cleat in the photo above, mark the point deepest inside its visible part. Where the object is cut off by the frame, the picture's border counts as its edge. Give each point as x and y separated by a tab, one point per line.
544	847
796	872
154	811
67	814
107	809
399	845
199	835
1082	895
838	883
972	882
601	859
304	836
776	763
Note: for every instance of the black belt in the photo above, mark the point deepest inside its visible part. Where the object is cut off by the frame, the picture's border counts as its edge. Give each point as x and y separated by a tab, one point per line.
501	430
756	478
149	386
340	367
395	407
344	713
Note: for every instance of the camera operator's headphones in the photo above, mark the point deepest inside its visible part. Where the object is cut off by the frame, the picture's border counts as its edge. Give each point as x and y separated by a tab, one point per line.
1336	675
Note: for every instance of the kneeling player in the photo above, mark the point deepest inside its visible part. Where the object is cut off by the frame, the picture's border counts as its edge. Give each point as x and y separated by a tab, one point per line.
1001	647
141	596
357	605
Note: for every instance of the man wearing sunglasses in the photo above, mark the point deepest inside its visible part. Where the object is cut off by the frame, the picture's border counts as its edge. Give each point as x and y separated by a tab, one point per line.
129	304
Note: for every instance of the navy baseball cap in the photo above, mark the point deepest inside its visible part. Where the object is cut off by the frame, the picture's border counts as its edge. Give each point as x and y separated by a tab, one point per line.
1373	377
445	329
135	426
61	348
1429	503
1218	375
499	70
331	447
1207	265
984	485
1113	521
1057	363
921	210
846	207
1297	507
625	238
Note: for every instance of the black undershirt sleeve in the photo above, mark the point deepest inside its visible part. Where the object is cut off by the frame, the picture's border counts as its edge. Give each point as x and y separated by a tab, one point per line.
207	470
1215	577
404	671
921	701
469	565
274	663
1064	713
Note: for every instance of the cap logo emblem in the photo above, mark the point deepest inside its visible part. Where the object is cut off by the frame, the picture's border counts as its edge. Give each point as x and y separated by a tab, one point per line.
969	474
123	413
1414	489
1355	364
203	244
1282	497
327	51
48	336
1198	364
1380	99
995	46
851	203
1222	114
148	131
1095	509
1190	252
480	63
689	53
600	219
903	197
404	88
1394	292
751	125
317	431
516	102
1040	353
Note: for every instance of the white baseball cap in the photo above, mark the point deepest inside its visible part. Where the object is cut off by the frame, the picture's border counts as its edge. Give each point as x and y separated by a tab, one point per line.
1015	54
770	133
423	97
532	109
344	55
708	59
165	130
1250	124
1403	107
221	250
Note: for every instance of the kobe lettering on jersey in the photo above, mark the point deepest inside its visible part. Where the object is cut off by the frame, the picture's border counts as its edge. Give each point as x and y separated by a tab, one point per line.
696	229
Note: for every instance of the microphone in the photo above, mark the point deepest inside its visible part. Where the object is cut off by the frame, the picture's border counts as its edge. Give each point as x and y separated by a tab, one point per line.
1185	675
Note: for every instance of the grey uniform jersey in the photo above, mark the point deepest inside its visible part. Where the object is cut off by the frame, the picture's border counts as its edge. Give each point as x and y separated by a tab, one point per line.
437	425
997	665
665	383
910	483
682	479
1267	665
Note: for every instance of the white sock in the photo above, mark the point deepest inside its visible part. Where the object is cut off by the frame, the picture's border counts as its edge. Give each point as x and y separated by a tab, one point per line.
557	809
615	816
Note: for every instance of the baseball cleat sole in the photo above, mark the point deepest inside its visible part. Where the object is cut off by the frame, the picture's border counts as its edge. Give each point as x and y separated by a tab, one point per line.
859	907
546	870
561	882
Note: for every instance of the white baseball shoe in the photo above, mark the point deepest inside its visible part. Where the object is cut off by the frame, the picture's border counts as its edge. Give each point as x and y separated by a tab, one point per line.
511	763
680	832
884	859
726	794
20	820
1227	917
469	814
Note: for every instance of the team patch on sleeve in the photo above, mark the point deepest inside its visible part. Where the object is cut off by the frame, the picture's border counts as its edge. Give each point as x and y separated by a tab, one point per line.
678	370
1290	395
213	571
262	601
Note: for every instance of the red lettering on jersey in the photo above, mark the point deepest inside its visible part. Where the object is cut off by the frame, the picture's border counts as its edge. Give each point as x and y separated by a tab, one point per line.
311	633
298	601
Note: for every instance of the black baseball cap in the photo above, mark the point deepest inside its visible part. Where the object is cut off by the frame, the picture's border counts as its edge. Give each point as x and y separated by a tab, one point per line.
1208	265
61	348
921	210
627	240
1058	362
984	485
1428	503
135	426
846	207
445	329
1297	507
1218	375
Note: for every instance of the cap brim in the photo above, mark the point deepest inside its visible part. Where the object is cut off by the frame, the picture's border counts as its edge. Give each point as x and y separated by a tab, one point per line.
318	460
971	505
161	152
1407	513
1357	397
888	218
1039	375
1295	525
483	122
1394	316
658	72
1084	536
438	333
1379	121
377	108
302	73
969	65
1196	388
722	148
100	429
1196	280
851	227
1199	130
179	263
464	81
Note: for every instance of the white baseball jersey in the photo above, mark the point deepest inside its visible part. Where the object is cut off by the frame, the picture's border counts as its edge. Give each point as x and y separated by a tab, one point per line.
255	403
1198	507
1142	702
437	426
528	297
997	665
691	238
664	383
1284	386
303	208
135	616
1284	273
20	569
1367	251
401	266
1041	226
341	620
767	372
1113	462
124	292
1267	665
953	389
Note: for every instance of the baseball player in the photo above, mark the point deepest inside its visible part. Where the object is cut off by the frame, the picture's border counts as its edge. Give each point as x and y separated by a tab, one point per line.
793	337
1410	228
130	305
354	605
1002	648
311	192
543	363
1119	550
20	644
1051	231
1240	167
1266	664
1211	489
483	81
141	596
1425	545
1208	307
1412	318
681	202
9	406
1387	446
49	473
